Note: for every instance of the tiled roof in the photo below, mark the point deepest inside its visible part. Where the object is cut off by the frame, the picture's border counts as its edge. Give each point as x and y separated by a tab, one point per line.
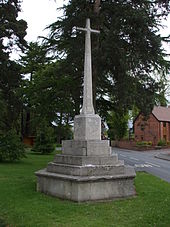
161	113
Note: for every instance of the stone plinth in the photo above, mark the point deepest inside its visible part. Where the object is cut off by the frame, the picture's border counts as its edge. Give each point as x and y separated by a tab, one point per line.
87	127
87	188
86	171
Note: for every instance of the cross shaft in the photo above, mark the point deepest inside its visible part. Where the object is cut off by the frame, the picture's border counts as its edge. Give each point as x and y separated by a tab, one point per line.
87	91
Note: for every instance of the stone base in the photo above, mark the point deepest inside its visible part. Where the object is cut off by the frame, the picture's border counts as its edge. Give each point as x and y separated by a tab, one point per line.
87	188
86	147
86	171
87	127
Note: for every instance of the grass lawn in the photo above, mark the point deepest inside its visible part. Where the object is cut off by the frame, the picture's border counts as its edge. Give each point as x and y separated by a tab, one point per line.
21	205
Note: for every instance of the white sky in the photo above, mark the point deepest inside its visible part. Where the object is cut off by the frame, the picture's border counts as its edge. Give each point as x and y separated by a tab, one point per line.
41	13
38	14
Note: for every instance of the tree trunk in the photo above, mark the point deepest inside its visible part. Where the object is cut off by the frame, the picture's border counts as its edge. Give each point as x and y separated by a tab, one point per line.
97	7
22	123
27	126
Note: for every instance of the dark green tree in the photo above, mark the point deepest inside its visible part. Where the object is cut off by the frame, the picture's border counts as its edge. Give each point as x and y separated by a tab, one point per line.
44	142
118	125
32	61
12	32
48	93
9	87
49	97
11	148
125	55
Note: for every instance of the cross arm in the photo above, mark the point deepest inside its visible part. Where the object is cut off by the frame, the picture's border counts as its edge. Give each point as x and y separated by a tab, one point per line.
95	31
81	29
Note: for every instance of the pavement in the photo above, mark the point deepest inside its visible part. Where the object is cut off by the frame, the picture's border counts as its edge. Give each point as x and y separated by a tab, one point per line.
154	162
163	156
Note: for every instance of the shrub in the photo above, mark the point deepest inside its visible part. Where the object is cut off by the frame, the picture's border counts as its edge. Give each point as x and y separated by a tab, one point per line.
150	143
162	142
58	145
11	147
44	142
144	143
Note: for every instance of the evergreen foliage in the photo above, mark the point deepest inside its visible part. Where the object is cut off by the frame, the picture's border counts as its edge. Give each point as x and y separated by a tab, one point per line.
10	82
34	60
48	93
11	147
12	32
44	142
125	56
118	125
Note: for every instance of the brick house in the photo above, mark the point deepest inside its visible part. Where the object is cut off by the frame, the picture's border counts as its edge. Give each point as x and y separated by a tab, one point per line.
155	128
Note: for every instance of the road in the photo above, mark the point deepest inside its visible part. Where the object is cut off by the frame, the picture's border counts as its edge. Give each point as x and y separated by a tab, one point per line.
145	161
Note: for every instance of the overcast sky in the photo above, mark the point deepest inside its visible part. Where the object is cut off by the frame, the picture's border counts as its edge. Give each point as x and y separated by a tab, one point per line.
38	14
41	13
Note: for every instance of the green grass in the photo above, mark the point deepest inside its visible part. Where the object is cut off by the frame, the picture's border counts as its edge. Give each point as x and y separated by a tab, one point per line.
21	205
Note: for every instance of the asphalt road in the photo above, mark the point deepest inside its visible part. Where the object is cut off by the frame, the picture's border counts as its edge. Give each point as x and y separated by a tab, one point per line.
146	161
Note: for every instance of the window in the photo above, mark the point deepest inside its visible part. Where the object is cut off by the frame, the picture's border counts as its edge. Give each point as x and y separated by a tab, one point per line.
164	137
164	124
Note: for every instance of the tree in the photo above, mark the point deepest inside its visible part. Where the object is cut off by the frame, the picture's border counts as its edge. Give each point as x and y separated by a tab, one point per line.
125	56
44	142
10	82
11	148
49	97
48	94
12	32
118	125
32	61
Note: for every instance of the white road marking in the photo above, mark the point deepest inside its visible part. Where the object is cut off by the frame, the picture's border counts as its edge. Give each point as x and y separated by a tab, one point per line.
123	155
142	165
153	164
147	165
134	159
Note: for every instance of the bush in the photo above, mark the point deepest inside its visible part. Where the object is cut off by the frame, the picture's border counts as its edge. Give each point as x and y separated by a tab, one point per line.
44	142
58	145
162	142
11	147
144	143
150	143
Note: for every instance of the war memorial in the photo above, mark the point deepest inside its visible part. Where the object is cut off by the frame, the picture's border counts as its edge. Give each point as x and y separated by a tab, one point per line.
87	170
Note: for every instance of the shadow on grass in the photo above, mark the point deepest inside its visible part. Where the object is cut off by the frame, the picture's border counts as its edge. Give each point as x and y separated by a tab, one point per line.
16	162
41	154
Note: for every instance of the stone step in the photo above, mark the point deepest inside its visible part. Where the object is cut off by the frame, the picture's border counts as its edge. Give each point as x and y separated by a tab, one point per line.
87	188
86	170
86	160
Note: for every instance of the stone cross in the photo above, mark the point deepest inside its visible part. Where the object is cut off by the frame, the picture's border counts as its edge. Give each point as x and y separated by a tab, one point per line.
87	92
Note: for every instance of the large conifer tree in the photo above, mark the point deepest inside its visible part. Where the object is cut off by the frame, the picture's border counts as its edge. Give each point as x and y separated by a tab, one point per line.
12	32
125	56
